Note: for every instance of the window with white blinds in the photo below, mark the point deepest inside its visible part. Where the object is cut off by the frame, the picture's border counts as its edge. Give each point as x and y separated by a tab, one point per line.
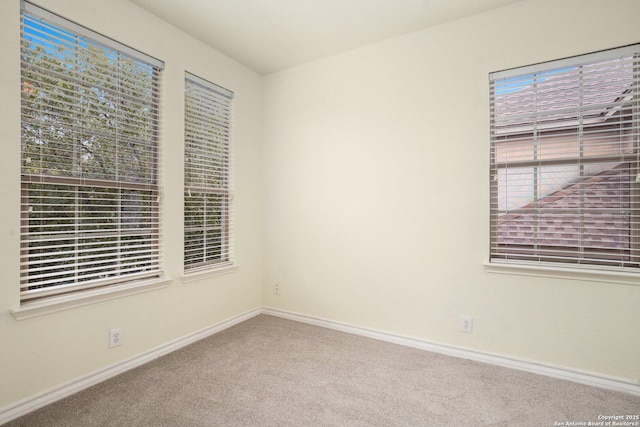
208	199
565	162
89	159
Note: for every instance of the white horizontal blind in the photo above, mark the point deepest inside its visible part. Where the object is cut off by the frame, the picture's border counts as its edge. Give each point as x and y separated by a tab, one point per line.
208	202
565	161
89	160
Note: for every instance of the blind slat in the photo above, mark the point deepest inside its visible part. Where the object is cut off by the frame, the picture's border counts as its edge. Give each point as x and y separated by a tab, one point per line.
565	157
89	159
208	204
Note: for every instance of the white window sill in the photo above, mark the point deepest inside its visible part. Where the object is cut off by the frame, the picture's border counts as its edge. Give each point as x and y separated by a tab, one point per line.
65	302
204	274
583	274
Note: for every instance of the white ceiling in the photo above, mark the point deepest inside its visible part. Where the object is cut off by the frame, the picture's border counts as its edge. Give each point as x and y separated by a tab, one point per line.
271	35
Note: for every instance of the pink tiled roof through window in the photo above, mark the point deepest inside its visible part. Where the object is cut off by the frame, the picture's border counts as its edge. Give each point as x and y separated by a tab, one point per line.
604	213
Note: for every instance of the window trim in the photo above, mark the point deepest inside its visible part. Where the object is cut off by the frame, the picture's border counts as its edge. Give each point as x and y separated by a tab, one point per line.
559	272
82	293
195	276
91	296
566	269
209	268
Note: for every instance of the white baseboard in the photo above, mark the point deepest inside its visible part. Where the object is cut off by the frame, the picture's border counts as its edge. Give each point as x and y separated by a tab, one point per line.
54	394
560	372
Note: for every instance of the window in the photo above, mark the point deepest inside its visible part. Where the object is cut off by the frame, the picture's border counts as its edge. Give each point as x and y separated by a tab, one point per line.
89	159
208	199
565	158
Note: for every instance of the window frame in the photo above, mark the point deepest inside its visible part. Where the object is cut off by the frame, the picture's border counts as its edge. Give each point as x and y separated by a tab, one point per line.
60	295
510	263
215	152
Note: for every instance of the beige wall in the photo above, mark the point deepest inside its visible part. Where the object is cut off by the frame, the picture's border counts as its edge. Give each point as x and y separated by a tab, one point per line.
43	352
378	191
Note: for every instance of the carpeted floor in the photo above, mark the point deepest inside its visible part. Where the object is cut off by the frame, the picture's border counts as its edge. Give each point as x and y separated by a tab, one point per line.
269	371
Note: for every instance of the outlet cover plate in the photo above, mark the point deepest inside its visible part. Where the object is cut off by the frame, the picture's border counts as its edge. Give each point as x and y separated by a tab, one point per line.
466	324
115	337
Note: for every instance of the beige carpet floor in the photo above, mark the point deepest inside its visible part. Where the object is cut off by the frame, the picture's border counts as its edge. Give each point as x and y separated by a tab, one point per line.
269	371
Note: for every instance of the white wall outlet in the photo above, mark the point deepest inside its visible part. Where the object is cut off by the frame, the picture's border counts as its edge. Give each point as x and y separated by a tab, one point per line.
466	324
276	289
115	337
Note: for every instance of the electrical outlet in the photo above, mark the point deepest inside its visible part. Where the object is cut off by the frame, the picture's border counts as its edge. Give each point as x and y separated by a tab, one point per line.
466	324
276	289
115	337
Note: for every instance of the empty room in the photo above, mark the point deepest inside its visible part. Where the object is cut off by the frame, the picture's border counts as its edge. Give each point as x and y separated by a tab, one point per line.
310	212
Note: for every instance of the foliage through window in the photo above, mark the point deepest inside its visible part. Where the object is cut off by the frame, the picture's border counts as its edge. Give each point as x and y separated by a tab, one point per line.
208	204
565	159
89	159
